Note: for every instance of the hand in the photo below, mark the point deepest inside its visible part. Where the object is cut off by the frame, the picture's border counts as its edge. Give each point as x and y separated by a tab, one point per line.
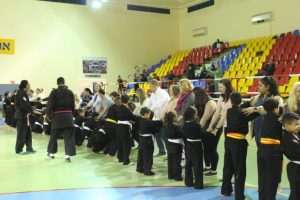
210	129
214	132
249	111
36	112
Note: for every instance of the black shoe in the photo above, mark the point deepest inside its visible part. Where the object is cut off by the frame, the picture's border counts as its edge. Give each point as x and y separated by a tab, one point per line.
67	160
149	174
140	171
160	154
189	184
170	178
199	187
211	173
19	152
226	194
50	156
179	179
31	151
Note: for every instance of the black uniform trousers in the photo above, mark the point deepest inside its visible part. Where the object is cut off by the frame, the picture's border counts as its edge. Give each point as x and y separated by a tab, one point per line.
111	144
293	172
210	145
269	159
69	140
194	165
174	160
123	143
145	155
235	164
24	136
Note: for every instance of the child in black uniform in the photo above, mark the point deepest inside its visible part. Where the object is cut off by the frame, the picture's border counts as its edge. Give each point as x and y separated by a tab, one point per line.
269	154
79	120
174	146
194	152
236	148
147	130
111	124
124	127
291	149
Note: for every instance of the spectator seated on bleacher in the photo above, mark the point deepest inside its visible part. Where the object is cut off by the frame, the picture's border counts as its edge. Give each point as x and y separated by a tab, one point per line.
217	44
269	69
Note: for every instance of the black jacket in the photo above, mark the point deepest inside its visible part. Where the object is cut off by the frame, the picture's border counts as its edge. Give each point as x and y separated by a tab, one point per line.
22	105
61	99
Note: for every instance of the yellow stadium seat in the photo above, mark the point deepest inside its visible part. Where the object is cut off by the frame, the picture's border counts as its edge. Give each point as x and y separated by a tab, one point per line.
251	66
244	90
258	66
253	72
241	82
282	90
232	74
231	68
239	74
234	84
293	80
244	67
249	82
247	73
226	74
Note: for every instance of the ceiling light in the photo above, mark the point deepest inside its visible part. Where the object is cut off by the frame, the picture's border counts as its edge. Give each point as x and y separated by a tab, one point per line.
96	4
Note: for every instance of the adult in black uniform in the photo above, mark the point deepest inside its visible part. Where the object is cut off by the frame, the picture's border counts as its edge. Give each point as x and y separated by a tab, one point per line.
60	108
291	149
23	110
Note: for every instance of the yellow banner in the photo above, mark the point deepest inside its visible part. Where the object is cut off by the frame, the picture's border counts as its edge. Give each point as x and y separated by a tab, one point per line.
7	46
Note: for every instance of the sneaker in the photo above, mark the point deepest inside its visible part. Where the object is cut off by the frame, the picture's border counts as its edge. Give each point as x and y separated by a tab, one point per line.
51	156
160	154
206	169
211	173
67	160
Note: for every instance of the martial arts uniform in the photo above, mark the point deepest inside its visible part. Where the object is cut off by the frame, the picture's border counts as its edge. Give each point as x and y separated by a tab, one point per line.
23	110
36	122
291	149
174	147
110	129
236	151
47	126
7	107
269	157
89	126
98	139
13	121
146	147
193	134
60	108
79	137
124	127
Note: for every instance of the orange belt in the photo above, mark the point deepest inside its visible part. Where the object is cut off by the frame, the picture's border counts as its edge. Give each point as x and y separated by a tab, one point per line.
237	136
269	141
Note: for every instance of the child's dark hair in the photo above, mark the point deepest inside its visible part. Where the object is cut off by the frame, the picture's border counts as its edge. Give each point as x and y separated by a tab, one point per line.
270	104
235	98
114	94
289	117
124	98
94	115
169	119
190	113
145	111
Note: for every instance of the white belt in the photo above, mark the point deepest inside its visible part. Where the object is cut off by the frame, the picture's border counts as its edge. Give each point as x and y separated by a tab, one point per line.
86	128
190	140
45	123
125	123
102	131
146	135
76	126
37	123
296	162
177	141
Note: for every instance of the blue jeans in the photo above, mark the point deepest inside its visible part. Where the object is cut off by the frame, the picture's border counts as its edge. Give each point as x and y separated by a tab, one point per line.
161	140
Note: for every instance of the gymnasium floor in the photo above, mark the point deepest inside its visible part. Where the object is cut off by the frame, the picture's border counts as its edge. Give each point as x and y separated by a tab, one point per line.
95	176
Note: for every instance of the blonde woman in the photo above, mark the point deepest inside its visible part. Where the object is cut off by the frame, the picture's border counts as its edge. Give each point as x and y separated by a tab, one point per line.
293	102
174	91
186	99
144	101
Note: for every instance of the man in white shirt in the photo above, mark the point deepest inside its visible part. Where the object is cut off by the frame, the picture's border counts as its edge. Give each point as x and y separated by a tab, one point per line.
158	101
